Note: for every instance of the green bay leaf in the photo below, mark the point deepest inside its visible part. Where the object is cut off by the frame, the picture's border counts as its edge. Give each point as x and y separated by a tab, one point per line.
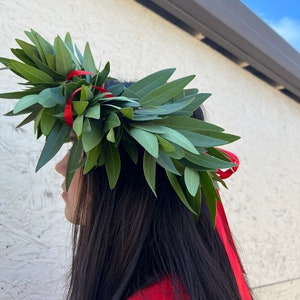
21	55
127	112
92	159
201	140
111	135
112	121
78	125
164	93
187	123
91	139
146	139
93	112
50	97
73	161
207	161
149	167
54	141
211	196
179	191
80	106
28	72
112	163
63	62
179	139
192	180
149	83
166	162
25	102
88	60
164	145
47	122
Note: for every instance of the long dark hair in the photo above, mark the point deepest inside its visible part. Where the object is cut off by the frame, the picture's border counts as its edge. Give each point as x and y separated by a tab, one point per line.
130	239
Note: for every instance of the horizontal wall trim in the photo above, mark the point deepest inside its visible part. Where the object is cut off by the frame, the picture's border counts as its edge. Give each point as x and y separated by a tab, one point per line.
238	31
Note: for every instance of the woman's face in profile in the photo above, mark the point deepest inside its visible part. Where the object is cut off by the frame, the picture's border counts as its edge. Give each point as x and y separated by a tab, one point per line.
71	196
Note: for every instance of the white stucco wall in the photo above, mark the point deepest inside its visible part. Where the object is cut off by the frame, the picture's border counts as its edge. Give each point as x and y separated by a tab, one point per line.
263	199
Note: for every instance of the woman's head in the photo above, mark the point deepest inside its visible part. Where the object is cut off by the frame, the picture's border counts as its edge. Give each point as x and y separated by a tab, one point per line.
129	238
124	237
95	183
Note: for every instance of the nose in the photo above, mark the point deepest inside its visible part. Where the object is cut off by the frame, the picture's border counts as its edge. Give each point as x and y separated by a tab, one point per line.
61	166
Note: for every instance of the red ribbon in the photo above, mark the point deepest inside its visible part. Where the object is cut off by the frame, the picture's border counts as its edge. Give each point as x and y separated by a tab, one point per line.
102	90
77	73
234	159
224	232
68	108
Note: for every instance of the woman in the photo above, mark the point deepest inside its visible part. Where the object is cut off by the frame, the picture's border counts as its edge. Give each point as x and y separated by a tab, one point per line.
129	239
139	178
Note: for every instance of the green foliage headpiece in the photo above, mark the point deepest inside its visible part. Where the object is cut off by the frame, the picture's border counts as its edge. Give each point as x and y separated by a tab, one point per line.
66	92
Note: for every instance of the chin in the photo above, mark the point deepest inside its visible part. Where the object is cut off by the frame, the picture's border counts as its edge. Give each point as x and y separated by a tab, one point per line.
69	216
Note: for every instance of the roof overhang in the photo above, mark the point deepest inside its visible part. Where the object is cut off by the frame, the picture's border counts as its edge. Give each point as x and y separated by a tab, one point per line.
237	32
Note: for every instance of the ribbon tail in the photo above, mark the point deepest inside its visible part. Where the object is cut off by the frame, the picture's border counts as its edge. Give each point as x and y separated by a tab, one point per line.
68	114
224	232
68	109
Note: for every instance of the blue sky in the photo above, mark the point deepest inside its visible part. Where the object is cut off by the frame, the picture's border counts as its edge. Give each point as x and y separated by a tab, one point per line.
282	16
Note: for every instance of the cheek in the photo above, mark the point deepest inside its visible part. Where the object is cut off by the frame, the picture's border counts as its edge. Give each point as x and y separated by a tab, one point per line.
73	196
70	213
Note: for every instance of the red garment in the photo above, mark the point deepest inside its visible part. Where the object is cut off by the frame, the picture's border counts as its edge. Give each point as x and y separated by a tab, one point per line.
162	290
